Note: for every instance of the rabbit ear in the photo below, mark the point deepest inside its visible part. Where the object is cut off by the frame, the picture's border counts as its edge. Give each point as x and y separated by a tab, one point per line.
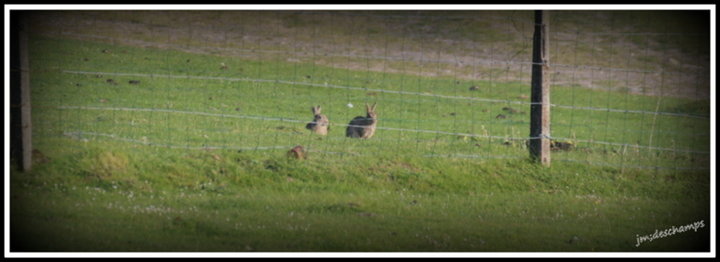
370	108
317	110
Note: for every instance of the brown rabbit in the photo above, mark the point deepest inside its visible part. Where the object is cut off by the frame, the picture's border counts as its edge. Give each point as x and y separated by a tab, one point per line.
363	127
320	122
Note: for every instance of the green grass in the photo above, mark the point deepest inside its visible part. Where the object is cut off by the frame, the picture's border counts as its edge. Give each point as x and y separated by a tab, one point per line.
184	164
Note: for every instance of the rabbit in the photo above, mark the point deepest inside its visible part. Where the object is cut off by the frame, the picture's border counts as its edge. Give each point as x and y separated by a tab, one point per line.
297	152
320	122
363	127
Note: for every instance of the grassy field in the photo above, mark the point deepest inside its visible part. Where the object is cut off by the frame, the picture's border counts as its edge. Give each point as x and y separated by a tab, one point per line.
192	157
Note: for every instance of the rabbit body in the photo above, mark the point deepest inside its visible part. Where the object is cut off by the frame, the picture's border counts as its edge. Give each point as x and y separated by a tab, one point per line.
363	127
320	122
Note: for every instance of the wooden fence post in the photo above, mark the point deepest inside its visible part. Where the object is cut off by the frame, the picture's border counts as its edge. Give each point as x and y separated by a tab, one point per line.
539	143
25	117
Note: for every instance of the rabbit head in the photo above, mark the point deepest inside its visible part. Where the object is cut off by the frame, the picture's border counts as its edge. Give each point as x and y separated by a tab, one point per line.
320	122
319	118
371	111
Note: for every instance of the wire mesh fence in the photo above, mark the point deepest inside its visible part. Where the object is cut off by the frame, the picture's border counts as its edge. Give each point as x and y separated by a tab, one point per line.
627	91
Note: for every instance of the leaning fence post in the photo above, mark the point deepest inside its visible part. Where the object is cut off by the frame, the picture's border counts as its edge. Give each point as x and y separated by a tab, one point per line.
539	143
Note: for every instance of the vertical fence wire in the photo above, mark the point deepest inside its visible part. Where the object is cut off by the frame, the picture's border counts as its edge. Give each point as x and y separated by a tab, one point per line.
260	64
424	88
275	89
421	70
625	115
609	81
313	98
438	111
402	108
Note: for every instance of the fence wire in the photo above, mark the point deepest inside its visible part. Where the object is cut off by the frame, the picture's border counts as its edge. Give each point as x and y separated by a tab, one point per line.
448	85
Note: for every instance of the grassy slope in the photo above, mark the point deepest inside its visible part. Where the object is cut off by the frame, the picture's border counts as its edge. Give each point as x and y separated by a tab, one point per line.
100	193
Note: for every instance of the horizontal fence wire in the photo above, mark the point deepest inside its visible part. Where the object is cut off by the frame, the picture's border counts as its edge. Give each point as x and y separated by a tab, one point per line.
266	47
80	135
282	119
604	164
285	120
386	91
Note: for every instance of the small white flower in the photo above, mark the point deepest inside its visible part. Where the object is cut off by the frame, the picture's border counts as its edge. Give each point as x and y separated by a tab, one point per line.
350	105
